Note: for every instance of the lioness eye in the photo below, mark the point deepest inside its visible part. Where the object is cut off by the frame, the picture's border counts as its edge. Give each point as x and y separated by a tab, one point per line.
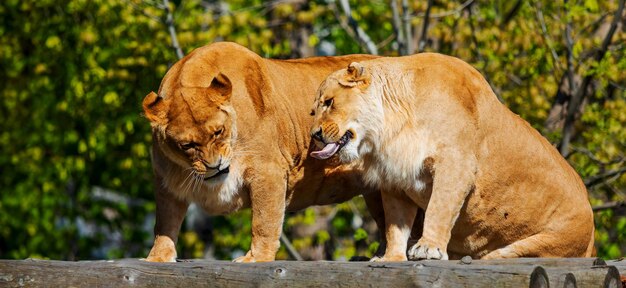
188	145
328	102
219	132
312	112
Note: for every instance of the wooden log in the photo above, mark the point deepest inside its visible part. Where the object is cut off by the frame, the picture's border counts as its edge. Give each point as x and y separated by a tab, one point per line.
620	264
598	276
569	272
202	273
579	262
526	272
568	281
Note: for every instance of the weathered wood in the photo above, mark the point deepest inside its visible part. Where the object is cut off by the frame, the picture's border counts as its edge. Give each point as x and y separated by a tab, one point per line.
578	262
566	272
569	281
620	264
597	276
204	273
280	273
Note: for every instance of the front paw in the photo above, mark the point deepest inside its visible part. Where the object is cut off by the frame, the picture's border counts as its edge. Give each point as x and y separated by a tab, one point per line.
164	250
248	258
251	258
425	250
161	255
159	258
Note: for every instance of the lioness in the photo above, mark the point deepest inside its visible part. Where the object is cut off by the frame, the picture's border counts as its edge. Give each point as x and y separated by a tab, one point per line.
230	131
432	134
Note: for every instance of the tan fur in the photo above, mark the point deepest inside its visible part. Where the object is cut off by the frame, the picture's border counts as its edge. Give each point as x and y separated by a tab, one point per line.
223	107
432	134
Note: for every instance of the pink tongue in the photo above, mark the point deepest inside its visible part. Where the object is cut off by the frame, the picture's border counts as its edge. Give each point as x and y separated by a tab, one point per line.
326	152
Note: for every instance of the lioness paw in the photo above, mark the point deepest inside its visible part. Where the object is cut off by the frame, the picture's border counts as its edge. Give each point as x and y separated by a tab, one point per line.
421	251
160	258
244	259
376	259
163	250
248	258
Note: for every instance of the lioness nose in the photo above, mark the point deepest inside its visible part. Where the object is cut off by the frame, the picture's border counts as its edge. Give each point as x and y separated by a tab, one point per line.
318	135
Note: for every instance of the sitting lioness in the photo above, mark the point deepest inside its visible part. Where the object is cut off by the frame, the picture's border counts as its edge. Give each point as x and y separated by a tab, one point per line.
230	131
432	134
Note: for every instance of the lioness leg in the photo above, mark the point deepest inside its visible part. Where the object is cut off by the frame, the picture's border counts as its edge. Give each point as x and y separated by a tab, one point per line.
453	179
170	213
544	245
399	213
374	204
267	196
418	227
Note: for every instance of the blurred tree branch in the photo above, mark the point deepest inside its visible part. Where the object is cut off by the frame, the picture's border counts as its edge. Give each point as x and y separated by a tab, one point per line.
573	108
456	10
478	55
169	21
397	28
402	27
619	207
360	34
289	247
511	14
142	11
569	44
586	152
424	37
545	35
406	19
598	179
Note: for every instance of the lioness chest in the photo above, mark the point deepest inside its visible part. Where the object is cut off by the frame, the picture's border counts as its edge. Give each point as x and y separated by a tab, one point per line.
215	197
403	165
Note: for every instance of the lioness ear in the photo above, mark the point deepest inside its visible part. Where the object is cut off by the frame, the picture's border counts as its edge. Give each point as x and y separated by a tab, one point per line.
155	108
355	74
222	85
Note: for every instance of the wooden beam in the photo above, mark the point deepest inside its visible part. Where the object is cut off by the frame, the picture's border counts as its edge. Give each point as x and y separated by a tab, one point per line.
527	272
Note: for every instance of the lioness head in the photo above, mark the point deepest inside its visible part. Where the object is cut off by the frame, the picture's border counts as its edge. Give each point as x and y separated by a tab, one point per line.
341	114
194	122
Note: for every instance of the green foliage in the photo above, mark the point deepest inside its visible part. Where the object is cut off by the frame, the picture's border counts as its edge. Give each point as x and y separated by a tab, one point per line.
233	233
71	87
74	72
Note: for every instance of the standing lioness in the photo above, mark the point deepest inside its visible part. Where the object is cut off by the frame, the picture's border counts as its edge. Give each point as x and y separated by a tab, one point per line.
432	134
230	131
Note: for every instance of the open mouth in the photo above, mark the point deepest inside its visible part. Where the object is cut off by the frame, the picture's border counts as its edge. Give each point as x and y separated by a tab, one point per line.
331	148
220	172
